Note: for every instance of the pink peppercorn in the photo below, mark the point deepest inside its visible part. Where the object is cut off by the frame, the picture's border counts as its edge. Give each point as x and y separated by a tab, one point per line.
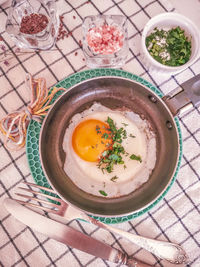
33	23
106	39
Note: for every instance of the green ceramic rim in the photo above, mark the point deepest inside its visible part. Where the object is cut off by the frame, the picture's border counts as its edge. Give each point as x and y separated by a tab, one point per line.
33	132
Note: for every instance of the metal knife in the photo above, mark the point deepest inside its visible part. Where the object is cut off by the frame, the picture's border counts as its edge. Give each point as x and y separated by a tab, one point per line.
68	235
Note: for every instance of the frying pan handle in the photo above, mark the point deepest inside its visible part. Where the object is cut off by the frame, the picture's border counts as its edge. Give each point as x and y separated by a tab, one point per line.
185	96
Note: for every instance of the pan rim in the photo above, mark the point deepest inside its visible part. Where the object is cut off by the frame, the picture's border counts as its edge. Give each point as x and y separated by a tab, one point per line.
56	103
177	133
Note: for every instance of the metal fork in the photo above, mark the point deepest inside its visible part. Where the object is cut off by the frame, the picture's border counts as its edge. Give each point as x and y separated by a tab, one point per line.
164	250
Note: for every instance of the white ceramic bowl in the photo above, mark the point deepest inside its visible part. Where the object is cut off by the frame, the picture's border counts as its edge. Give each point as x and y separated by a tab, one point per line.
167	21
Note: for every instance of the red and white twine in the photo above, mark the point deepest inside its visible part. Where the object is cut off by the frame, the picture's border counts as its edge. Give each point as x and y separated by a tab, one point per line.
14	125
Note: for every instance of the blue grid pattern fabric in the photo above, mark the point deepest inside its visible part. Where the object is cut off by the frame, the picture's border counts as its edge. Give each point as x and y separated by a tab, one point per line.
175	218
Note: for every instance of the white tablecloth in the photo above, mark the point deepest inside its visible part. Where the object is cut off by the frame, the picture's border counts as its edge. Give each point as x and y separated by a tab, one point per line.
175	218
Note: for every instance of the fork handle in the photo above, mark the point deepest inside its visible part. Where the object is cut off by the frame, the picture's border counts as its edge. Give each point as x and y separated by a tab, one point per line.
136	263
164	250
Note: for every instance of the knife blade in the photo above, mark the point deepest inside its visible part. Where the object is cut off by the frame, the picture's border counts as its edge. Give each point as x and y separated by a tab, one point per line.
68	235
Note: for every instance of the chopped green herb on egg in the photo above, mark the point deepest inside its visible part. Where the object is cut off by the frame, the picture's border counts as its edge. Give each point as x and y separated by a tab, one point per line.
114	178
134	157
125	124
103	193
114	152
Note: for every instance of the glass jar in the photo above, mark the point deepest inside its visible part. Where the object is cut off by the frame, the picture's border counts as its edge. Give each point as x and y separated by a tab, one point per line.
33	23
105	41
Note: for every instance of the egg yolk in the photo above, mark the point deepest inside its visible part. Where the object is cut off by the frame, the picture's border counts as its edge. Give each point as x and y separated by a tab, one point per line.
90	138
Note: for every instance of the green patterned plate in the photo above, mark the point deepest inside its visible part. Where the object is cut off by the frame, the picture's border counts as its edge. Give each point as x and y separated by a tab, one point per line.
32	140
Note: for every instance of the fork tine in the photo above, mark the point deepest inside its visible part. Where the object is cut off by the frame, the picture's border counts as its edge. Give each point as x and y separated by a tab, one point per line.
35	206
37	199
40	193
40	187
47	190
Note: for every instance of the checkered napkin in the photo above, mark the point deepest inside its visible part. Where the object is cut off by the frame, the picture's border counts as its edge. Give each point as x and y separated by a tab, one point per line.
175	218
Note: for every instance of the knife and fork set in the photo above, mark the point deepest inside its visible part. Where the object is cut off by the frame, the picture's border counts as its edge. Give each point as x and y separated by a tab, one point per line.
48	201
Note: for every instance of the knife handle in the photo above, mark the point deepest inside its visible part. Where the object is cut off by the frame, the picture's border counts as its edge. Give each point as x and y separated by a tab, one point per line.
136	263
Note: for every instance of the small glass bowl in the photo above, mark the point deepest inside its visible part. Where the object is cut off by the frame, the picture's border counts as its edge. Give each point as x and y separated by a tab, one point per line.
42	40
115	59
167	21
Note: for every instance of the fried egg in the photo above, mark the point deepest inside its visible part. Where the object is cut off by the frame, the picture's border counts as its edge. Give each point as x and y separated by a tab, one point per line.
84	146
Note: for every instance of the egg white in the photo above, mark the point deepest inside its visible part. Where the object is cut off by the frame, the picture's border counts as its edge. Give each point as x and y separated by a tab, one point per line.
89	178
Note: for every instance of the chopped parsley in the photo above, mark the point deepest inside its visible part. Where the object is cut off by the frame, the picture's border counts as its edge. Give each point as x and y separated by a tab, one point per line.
125	124
131	135
134	157
98	129
171	48
114	152
105	136
111	125
114	178
103	193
